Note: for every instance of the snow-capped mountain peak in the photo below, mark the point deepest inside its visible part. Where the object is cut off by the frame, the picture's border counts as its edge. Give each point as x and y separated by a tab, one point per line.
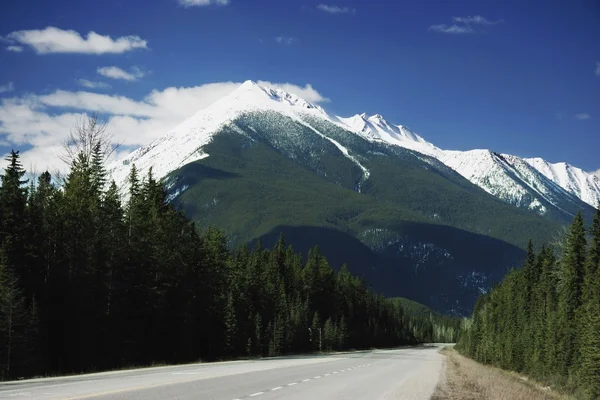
276	94
574	180
377	128
532	183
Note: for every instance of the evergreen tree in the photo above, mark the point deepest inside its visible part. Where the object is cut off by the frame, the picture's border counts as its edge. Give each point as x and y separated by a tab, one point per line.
13	201
133	276
17	324
557	332
590	316
230	326
570	293
329	335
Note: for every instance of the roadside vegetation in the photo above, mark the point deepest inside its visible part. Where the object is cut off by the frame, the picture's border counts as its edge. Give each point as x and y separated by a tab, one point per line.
90	281
466	379
544	320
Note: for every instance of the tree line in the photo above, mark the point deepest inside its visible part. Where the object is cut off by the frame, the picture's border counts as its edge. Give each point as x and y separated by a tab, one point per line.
544	319
93	280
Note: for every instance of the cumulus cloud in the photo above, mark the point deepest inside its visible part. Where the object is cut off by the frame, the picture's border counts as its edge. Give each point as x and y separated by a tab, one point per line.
582	116
451	29
113	72
56	40
92	84
15	49
9	87
203	3
44	121
285	40
336	9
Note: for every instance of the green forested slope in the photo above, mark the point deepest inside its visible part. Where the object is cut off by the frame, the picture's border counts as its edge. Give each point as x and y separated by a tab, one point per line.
419	229
544	319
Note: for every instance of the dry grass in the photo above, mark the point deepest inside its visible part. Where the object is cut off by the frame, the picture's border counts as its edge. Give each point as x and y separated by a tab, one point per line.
466	379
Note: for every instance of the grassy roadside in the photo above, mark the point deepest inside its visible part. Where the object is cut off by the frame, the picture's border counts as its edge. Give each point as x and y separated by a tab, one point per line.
466	379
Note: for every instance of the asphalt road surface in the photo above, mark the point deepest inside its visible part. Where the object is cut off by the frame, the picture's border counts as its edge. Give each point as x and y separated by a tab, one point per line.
406	373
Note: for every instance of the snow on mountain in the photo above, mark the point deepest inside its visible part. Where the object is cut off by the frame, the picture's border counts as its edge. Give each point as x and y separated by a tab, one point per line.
511	179
530	183
584	185
376	128
184	143
486	170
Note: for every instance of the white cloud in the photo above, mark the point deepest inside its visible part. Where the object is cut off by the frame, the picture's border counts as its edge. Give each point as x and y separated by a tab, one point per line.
286	40
113	72
464	25
92	84
597	68
56	40
582	116
203	3
336	9
476	20
9	87
44	121
15	49
452	29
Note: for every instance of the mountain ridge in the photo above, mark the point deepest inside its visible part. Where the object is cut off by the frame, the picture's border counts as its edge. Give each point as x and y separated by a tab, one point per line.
529	183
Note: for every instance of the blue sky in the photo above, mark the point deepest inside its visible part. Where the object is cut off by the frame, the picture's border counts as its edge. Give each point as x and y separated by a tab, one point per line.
516	77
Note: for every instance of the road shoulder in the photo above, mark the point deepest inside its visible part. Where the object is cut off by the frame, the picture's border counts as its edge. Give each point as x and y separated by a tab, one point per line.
466	379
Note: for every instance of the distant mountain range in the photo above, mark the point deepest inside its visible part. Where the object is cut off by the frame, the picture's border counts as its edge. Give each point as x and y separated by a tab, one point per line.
433	225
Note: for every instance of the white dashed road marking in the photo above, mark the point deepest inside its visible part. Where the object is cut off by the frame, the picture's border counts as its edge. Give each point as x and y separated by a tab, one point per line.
308	379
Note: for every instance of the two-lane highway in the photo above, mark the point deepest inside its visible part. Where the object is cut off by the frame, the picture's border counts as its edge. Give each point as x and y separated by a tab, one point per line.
407	373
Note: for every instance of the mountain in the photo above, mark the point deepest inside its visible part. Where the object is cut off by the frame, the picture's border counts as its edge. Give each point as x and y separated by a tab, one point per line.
517	182
584	185
377	196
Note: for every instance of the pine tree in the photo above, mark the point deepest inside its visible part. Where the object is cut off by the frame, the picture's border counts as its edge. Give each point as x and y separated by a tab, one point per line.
230	326
590	316
316	335
590	340
342	333
329	335
570	293
15	324
258	335
13	201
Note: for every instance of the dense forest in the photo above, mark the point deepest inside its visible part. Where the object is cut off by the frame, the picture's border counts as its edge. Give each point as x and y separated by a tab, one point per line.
544	319
93	277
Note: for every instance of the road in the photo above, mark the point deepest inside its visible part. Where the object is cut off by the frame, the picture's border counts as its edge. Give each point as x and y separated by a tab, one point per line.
406	373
